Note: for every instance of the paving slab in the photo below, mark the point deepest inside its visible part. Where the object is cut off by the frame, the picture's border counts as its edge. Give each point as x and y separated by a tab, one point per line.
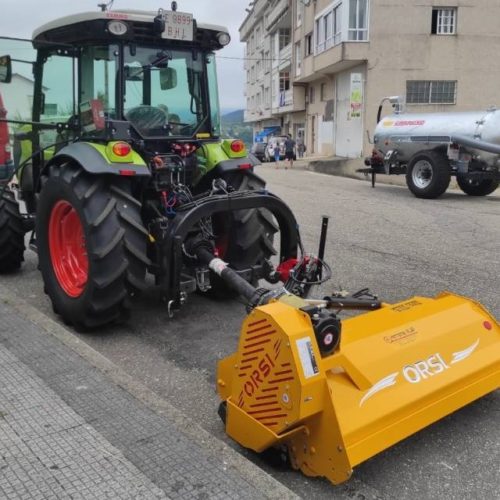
73	425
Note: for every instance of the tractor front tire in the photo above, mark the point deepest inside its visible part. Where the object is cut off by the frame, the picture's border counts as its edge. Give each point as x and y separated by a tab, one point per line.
244	238
474	187
91	245
428	174
11	233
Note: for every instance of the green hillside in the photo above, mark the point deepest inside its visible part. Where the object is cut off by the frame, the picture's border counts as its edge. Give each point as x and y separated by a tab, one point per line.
233	127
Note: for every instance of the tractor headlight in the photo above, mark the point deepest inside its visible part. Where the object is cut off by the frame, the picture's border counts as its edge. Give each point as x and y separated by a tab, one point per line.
117	28
223	38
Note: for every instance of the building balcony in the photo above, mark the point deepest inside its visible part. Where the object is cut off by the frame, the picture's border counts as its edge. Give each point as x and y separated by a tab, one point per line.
289	100
284	58
275	14
248	24
338	58
257	114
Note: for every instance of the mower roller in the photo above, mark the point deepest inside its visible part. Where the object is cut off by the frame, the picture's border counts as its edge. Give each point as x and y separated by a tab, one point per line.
336	392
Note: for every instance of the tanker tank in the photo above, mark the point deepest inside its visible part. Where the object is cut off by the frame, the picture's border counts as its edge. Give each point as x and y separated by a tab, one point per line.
431	148
408	132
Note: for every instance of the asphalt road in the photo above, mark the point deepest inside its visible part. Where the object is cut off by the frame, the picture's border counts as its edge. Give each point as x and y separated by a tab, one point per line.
381	238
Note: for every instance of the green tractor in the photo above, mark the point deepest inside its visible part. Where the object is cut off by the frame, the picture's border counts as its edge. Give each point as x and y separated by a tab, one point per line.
121	169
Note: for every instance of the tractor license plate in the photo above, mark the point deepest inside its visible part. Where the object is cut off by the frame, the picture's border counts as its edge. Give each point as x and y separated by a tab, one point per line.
178	25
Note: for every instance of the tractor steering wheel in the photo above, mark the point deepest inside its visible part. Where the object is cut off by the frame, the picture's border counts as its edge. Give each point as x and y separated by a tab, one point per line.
146	117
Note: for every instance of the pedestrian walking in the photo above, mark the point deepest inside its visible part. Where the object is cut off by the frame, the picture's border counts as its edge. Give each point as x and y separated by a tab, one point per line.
277	154
301	147
289	150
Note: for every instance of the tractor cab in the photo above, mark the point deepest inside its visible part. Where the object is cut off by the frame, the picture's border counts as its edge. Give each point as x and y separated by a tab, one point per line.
146	80
155	71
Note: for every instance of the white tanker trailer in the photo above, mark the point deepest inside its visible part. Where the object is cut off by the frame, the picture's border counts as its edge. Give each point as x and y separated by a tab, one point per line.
429	148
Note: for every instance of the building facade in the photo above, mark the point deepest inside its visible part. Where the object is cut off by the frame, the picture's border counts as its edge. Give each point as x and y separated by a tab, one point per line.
344	56
272	99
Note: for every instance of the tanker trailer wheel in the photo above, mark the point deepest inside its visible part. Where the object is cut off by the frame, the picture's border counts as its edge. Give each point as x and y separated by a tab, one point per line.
11	233
476	187
91	245
428	174
244	238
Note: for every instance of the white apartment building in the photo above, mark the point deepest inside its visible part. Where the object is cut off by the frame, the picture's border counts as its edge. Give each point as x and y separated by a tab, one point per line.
346	55
271	99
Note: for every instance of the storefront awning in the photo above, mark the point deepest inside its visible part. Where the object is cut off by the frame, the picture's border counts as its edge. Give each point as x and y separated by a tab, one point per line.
261	136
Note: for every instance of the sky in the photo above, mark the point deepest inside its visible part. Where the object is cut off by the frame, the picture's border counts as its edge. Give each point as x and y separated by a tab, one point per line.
20	17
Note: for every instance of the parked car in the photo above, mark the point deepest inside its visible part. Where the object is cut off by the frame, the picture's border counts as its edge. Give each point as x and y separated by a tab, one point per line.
6	164
271	145
259	150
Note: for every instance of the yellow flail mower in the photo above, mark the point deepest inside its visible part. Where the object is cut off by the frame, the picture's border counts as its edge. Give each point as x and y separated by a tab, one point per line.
336	392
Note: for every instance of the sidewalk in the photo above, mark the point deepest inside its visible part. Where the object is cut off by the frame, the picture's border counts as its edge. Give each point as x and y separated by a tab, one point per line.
335	165
74	426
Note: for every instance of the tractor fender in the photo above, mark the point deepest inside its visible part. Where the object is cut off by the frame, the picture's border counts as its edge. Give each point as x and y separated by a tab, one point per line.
216	159
99	159
242	166
235	164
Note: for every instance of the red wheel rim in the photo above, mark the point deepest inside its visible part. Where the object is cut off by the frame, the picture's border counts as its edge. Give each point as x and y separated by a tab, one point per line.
68	251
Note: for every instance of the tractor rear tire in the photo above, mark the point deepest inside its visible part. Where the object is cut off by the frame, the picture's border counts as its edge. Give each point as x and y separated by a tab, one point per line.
11	233
474	187
91	245
428	174
245	237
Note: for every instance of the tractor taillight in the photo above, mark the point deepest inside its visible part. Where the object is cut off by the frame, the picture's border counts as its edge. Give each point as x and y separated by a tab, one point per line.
8	151
121	149
237	146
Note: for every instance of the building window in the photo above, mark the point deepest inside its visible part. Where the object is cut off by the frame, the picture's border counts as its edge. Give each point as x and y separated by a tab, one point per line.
320	35
284	38
358	20
311	95
267	61
298	59
324	97
300	11
336	20
444	21
309	44
431	92
328	29
284	81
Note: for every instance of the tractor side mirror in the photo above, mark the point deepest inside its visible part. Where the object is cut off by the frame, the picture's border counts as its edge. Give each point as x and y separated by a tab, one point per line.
5	69
168	78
